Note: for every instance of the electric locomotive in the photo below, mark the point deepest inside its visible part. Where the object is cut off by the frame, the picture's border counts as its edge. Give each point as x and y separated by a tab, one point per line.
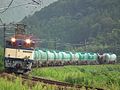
19	49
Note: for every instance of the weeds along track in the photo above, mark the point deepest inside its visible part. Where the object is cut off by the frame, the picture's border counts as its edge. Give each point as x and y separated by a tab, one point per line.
59	66
47	81
1	72
58	83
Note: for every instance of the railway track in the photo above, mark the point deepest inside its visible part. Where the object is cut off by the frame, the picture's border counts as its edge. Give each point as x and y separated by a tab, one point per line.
64	85
58	83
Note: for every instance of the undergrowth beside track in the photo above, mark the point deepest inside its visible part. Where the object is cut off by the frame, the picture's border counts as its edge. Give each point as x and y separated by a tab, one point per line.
105	76
1	65
17	84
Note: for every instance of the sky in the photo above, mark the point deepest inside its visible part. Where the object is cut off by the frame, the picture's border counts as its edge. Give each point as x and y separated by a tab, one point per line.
18	13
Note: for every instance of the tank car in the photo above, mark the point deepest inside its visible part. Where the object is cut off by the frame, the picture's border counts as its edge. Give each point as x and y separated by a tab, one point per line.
107	58
56	58
47	58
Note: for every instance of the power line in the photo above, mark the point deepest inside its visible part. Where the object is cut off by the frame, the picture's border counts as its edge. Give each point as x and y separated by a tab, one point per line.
36	3
1	21
17	6
7	7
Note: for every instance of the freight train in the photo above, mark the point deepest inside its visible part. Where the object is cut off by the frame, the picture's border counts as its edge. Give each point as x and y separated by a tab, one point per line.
56	58
21	54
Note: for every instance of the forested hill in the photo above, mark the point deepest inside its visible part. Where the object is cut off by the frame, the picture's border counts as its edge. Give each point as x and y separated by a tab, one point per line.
75	21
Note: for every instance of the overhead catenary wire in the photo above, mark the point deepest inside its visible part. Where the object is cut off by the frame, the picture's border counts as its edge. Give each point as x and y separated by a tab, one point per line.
36	2
1	21
4	9
7	7
24	4
16	6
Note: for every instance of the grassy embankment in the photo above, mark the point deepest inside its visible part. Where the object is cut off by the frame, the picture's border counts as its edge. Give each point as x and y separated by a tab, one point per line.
17	84
1	65
105	76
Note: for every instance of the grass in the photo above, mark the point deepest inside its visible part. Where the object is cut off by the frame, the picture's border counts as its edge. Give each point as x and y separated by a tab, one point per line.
17	84
1	65
105	76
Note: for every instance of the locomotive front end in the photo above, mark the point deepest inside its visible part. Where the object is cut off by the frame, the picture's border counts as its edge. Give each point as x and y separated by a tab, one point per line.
19	51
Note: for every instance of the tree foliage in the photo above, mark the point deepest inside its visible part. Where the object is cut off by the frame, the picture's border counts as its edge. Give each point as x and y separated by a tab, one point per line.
74	21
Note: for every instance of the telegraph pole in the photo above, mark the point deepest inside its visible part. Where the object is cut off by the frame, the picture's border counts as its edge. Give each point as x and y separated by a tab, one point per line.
85	45
4	43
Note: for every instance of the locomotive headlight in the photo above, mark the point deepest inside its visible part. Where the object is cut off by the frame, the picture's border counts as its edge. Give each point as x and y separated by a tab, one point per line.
13	39
28	41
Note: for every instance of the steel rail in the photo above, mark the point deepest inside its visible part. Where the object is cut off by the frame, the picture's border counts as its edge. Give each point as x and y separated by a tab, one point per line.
58	83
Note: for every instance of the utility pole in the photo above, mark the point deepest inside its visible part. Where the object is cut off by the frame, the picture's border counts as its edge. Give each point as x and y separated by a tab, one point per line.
55	43
4	42
85	45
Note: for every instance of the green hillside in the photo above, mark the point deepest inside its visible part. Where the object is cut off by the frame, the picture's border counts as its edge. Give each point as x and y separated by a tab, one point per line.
96	22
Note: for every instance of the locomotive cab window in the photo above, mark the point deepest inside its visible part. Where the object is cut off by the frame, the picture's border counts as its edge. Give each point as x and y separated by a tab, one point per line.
19	45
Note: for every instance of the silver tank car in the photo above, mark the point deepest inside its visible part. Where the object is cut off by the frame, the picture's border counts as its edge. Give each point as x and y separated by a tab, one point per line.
107	58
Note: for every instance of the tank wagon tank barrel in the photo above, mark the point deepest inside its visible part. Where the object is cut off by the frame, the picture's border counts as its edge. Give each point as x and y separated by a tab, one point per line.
56	58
